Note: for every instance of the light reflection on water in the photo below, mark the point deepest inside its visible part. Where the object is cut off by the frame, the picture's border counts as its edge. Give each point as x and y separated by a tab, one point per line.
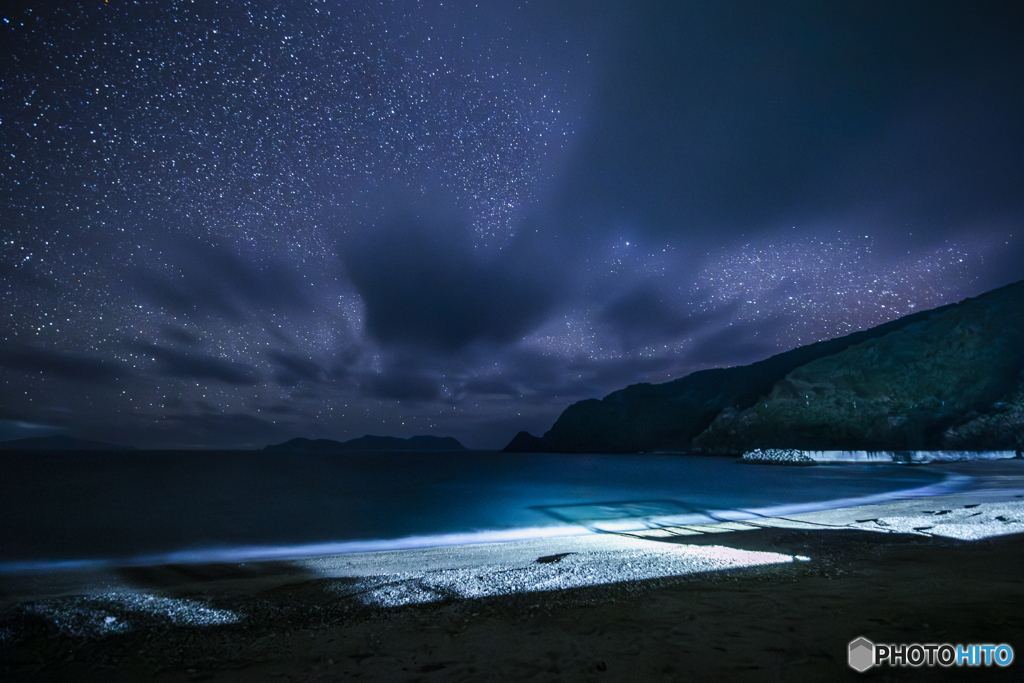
82	506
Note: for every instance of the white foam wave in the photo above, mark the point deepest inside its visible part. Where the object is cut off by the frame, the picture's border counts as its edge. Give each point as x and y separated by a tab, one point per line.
238	554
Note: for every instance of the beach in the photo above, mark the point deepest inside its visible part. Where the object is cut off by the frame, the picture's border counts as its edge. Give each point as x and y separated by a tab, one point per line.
758	599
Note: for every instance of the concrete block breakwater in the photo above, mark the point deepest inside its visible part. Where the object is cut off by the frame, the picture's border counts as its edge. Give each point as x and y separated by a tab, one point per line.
790	456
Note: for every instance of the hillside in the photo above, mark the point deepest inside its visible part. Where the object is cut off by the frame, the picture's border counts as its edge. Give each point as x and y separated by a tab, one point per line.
949	377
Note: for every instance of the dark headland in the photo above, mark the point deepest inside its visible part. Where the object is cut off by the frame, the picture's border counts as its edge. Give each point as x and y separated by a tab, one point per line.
372	443
947	378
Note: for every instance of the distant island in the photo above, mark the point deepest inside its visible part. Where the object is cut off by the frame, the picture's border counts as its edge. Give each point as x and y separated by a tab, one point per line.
59	443
951	378
372	443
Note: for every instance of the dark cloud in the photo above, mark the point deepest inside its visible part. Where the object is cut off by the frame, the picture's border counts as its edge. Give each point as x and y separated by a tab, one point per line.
180	336
293	369
643	316
585	196
734	345
738	114
425	286
22	276
193	430
280	409
196	278
612	374
544	378
21	429
195	365
401	385
306	394
491	386
69	366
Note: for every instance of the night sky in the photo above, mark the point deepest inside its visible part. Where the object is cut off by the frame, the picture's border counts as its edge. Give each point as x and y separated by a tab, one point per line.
227	224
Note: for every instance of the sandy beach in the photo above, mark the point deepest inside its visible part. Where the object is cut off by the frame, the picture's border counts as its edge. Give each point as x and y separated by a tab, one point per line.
758	600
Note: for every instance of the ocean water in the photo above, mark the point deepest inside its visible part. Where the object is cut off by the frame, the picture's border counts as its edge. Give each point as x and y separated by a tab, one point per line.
166	506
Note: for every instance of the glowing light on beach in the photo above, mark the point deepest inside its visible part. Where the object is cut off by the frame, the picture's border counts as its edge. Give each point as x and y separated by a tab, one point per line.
110	613
642	561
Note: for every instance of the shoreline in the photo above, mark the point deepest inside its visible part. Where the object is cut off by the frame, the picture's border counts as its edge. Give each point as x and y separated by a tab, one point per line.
951	484
218	521
892	572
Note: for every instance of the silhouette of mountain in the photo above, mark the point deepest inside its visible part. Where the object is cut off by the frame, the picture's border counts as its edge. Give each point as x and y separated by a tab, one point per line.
524	442
949	378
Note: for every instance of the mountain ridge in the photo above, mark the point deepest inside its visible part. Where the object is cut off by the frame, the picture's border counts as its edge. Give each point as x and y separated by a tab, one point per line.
715	411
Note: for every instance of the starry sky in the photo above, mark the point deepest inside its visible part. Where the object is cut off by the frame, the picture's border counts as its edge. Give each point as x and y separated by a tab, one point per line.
229	223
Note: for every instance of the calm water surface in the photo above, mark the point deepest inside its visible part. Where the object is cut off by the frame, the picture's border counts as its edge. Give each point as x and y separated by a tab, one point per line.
105	505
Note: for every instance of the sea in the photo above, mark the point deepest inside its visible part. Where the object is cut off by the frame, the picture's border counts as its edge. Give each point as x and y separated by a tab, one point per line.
66	509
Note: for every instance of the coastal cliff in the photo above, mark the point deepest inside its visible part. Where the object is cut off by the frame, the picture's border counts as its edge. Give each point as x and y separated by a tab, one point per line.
950	377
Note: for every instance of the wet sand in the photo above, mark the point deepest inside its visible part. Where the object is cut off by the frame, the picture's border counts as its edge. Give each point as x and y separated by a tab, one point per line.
789	621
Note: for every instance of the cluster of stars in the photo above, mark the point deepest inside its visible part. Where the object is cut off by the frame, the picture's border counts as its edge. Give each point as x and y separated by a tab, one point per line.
264	131
785	290
181	184
827	286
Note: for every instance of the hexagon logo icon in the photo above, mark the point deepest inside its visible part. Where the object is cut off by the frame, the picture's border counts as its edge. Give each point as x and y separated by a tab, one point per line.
862	654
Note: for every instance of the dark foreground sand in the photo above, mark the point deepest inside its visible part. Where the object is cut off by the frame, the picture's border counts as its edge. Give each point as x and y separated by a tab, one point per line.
787	622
